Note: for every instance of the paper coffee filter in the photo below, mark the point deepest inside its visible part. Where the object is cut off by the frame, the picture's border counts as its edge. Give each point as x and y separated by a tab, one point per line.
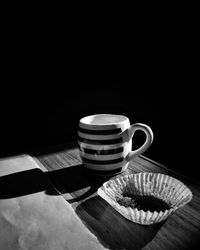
166	188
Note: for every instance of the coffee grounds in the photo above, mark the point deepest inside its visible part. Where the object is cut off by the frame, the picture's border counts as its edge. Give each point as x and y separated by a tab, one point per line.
145	203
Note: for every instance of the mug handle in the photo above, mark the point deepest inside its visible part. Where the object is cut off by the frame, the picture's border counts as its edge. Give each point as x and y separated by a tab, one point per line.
149	139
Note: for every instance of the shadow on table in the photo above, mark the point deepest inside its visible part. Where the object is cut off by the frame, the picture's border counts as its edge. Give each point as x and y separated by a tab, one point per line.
77	180
73	179
112	229
24	183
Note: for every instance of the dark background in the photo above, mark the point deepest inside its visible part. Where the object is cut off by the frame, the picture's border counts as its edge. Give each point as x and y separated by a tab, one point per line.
34	116
49	81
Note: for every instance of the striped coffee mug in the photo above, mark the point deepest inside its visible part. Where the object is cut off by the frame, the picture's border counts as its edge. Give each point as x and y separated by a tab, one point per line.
105	142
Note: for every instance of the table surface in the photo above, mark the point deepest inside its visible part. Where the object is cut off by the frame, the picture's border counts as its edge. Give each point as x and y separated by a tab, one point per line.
180	231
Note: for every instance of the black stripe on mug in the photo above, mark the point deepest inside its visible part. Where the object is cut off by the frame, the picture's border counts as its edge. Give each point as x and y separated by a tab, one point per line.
100	132
102	152
103	162
100	142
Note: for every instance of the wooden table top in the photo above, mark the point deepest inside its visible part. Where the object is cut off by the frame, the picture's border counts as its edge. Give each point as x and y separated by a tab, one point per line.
180	231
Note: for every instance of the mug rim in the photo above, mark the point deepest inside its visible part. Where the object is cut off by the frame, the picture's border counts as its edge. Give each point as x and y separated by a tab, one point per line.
87	119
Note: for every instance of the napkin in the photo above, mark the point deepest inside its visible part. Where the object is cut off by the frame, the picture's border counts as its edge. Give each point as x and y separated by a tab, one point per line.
33	215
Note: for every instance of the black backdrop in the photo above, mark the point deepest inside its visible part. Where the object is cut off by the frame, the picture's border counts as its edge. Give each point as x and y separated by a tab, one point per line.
35	116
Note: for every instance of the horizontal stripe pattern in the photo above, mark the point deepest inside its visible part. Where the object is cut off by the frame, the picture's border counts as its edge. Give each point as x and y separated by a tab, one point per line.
100	132
102	150
100	142
105	167
98	127
103	162
101	147
101	157
99	137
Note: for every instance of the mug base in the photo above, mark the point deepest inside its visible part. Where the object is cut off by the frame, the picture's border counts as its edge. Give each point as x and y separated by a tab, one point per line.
105	172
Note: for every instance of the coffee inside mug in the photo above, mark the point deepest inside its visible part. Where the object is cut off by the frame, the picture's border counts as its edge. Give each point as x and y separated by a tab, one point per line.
105	142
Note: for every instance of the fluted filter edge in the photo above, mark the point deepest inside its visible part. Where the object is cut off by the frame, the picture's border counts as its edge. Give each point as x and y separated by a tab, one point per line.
166	188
